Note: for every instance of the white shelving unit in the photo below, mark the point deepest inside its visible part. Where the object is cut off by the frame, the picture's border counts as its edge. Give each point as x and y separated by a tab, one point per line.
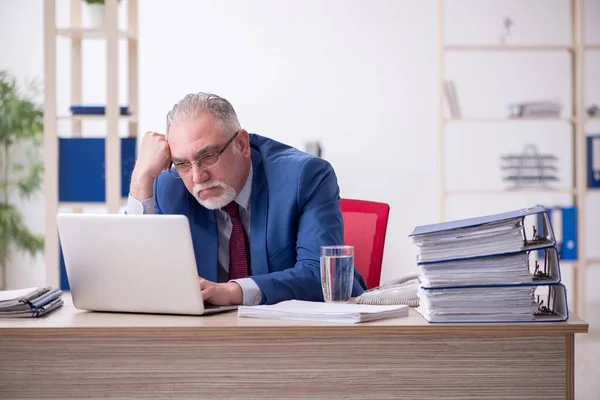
578	121
111	34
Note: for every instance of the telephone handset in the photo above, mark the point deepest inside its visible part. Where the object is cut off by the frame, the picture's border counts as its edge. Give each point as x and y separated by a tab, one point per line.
402	290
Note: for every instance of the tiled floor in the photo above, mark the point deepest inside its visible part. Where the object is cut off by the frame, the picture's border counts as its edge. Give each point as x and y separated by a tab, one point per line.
587	357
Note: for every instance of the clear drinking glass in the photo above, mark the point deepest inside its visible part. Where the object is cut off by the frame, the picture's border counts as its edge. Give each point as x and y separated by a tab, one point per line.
337	273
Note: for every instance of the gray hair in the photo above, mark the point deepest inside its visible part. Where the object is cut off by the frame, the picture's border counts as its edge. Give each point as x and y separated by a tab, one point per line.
192	105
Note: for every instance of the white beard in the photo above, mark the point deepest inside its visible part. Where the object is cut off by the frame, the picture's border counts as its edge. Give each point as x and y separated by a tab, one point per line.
220	201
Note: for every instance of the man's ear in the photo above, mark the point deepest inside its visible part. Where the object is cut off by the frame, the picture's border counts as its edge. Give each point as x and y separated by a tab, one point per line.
243	143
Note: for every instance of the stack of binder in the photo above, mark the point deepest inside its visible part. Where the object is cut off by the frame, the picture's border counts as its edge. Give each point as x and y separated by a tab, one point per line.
487	269
29	303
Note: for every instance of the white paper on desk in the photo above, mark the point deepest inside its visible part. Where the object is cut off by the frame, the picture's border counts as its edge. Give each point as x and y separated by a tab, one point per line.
317	311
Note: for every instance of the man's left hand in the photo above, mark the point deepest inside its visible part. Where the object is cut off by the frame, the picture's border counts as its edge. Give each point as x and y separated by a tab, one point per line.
221	294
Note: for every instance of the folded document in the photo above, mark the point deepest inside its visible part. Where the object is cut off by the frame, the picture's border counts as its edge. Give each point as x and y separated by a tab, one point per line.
317	311
28	303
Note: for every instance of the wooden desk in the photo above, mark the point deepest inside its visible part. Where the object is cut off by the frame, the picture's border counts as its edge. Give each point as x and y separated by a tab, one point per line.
72	353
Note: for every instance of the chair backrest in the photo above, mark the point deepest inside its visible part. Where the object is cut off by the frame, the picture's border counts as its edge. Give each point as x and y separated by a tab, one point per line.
365	226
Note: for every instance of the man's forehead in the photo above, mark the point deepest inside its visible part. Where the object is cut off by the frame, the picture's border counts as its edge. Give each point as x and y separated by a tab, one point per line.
193	135
194	128
188	150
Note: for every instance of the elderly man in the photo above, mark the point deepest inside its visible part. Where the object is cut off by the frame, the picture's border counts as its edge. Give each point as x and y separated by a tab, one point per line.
259	210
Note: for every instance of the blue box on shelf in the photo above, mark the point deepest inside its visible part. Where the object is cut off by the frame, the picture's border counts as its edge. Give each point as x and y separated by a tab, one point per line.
593	160
81	171
95	110
564	220
81	175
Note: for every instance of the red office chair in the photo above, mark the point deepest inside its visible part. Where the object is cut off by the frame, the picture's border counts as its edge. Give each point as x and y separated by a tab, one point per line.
365	225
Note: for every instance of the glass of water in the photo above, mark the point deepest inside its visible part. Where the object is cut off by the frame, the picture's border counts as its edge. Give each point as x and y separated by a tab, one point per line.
337	273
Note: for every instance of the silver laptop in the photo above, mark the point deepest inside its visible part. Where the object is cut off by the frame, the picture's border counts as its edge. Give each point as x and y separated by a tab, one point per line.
132	263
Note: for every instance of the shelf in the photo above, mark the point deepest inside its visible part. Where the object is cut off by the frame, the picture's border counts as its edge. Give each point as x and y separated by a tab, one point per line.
507	48
516	47
87	204
67	204
130	118
576	50
88	33
529	191
521	119
84	173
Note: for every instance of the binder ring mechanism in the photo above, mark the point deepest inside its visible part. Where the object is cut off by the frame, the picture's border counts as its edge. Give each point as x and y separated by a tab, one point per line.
547	237
548	308
542	274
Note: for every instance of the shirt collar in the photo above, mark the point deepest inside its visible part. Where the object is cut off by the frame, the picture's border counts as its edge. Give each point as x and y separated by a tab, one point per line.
243	197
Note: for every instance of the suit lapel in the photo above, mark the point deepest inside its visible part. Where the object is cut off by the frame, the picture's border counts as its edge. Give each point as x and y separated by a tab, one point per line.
258	217
203	225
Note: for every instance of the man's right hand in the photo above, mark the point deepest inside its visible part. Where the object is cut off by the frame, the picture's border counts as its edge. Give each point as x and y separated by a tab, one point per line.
154	157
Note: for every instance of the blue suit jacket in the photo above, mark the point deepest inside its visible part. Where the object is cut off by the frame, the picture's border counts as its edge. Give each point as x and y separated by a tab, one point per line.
295	209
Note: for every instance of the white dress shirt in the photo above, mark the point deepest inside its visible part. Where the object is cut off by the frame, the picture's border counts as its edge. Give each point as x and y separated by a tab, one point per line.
252	294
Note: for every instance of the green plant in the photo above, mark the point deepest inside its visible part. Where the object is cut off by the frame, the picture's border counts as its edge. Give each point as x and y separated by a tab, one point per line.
21	135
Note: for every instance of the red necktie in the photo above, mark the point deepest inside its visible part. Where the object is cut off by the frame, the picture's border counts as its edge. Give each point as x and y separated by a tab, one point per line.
238	249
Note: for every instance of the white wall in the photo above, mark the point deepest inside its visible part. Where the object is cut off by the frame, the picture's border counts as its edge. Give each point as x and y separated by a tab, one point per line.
359	76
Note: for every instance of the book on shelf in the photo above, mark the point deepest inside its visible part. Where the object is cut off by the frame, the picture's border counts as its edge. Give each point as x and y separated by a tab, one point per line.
593	160
533	109
79	109
564	226
452	99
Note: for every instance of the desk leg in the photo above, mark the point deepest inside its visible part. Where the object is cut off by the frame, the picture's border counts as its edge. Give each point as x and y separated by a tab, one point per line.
570	366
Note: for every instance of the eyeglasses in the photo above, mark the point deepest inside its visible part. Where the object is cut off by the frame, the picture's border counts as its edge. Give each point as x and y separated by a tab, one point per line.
181	170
